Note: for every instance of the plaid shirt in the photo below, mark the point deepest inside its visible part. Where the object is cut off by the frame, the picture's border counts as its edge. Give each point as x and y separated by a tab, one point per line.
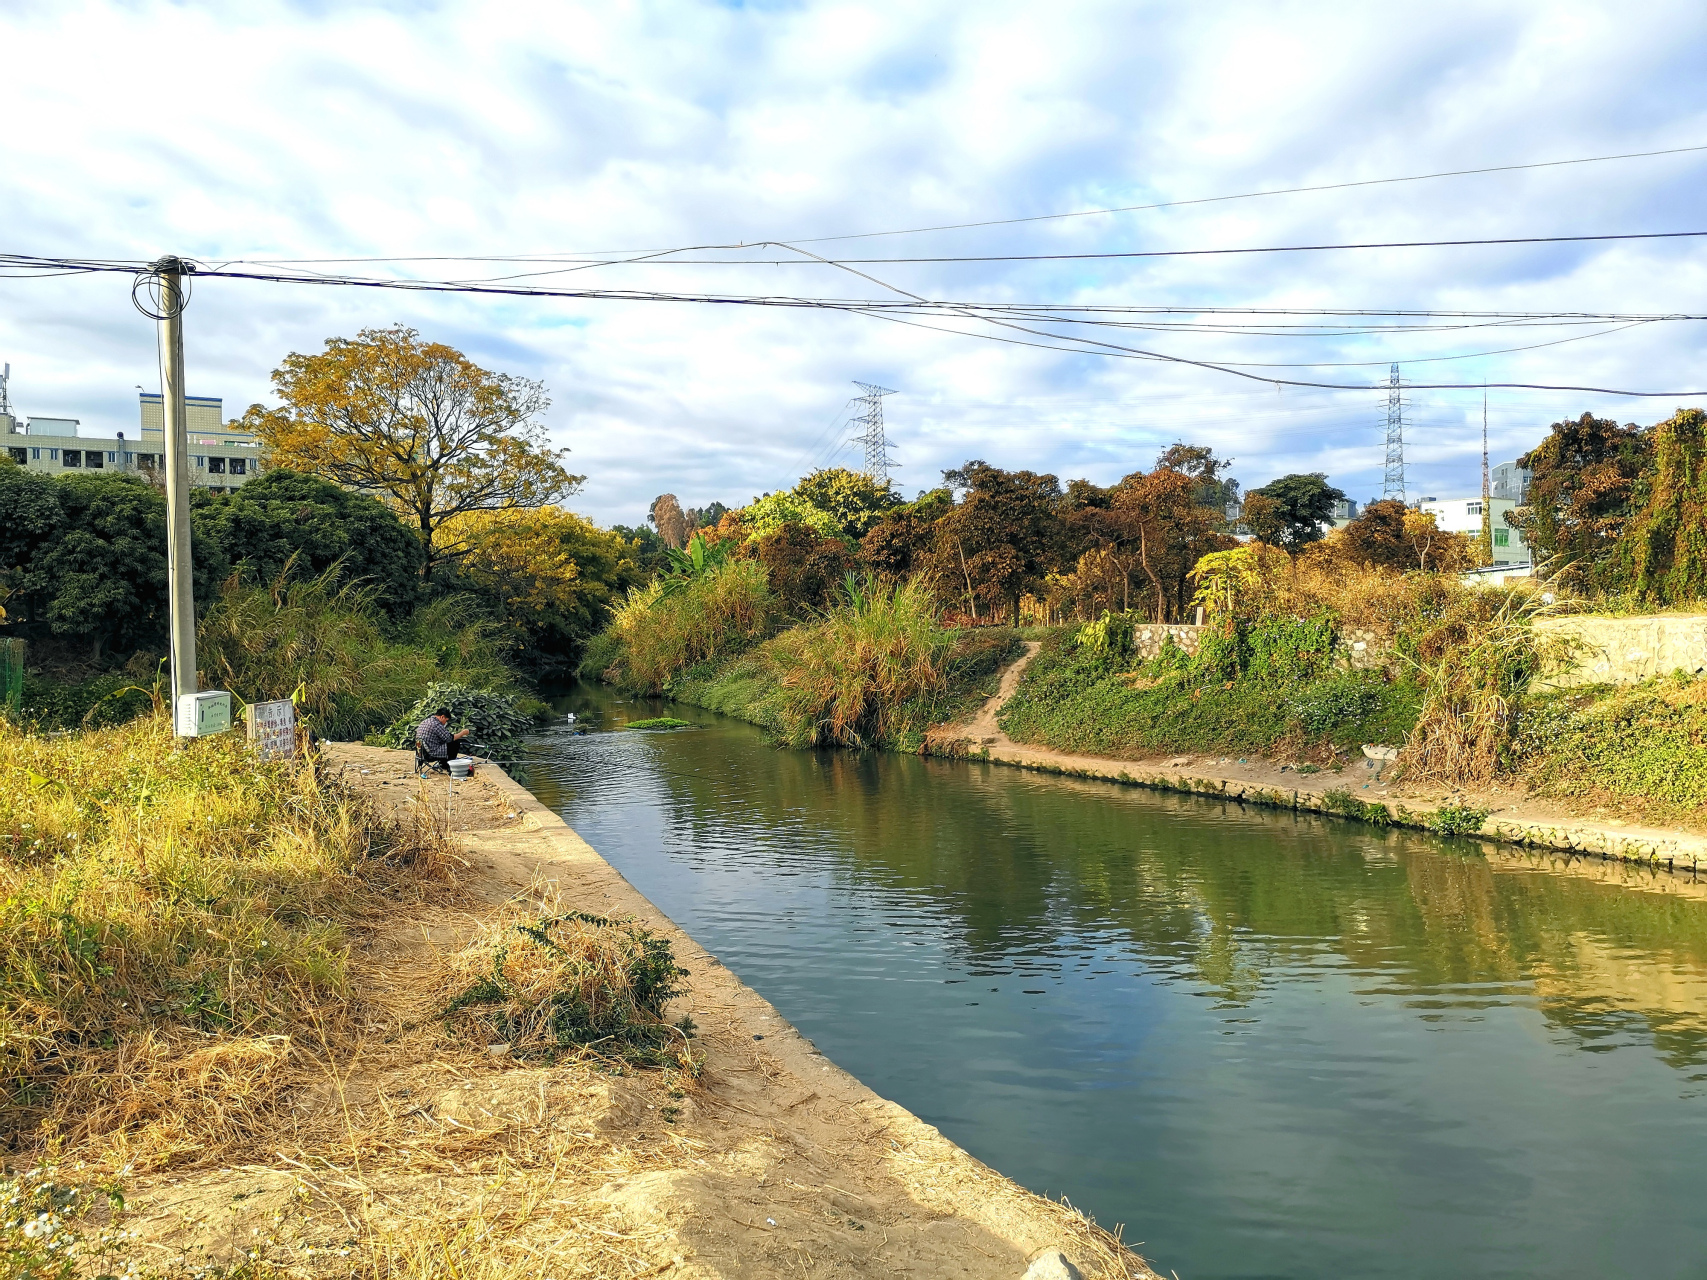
435	738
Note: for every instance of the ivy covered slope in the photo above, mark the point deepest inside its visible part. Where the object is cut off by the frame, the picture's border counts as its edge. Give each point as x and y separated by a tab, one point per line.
1270	687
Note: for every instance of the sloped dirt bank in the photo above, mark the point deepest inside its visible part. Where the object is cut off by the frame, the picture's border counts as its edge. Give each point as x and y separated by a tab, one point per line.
418	1155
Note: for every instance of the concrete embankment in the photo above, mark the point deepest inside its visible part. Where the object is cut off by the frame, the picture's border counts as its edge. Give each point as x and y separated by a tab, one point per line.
789	1164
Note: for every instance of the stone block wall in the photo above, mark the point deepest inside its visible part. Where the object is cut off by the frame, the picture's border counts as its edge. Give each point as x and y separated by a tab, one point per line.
1147	640
1625	650
1362	649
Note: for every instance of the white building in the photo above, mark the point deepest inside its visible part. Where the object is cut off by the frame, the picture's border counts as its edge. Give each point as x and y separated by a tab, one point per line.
1464	515
220	459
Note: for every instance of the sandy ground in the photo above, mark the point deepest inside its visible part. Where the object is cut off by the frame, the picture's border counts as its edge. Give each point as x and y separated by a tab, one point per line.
424	1157
1513	815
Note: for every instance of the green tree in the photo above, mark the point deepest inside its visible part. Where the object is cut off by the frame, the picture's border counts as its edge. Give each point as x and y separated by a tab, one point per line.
1000	539
852	498
1295	509
283	514
1663	551
104	573
1582	493
31	517
416	423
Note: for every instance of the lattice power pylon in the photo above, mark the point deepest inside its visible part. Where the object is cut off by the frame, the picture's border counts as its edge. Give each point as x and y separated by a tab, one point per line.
1393	477
877	459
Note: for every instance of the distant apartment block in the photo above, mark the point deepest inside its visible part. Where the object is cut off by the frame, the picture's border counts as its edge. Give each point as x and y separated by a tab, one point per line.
1464	515
221	459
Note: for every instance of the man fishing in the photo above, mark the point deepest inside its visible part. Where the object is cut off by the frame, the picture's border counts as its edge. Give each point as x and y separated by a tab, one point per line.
434	742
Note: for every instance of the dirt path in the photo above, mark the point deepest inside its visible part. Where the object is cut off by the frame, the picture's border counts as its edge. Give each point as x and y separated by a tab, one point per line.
774	1163
1511	815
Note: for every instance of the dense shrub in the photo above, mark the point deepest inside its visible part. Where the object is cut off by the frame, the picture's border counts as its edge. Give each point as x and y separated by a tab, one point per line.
495	720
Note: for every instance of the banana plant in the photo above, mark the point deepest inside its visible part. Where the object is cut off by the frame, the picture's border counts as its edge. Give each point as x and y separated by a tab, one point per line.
697	560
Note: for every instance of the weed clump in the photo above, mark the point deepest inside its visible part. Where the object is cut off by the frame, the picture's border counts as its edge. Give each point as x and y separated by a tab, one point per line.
573	981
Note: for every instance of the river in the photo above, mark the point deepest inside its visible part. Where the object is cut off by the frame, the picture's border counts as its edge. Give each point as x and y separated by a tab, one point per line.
1270	1044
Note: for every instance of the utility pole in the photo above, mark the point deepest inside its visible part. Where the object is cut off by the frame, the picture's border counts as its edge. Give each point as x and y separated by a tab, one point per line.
1487	489
877	460
5	389
165	280
1393	477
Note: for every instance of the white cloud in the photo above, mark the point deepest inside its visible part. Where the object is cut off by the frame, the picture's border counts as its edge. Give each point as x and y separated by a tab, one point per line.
284	131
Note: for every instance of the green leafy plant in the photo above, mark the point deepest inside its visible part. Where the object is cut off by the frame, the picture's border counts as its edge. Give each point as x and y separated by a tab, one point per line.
495	719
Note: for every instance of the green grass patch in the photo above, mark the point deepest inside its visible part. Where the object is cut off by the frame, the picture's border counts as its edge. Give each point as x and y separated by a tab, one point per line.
659	722
1641	749
1076	698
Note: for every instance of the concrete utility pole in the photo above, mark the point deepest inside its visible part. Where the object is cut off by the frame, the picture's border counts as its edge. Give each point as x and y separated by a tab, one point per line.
1487	488
169	274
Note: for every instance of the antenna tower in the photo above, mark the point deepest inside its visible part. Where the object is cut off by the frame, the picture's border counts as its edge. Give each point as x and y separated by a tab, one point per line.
877	459
1487	488
5	390
1393	478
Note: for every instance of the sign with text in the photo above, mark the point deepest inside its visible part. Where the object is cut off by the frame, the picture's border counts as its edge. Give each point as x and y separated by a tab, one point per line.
272	729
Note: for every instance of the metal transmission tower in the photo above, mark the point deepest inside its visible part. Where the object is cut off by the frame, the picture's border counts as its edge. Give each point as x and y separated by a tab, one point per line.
877	459
1393	478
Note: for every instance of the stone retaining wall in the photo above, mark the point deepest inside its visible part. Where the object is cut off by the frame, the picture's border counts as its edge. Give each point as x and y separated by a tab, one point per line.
1626	650
1148	640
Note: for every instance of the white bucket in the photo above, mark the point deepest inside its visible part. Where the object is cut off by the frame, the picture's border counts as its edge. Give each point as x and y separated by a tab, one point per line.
461	767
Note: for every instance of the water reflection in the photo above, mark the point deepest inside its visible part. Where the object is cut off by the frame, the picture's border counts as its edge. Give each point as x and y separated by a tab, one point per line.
1274	1044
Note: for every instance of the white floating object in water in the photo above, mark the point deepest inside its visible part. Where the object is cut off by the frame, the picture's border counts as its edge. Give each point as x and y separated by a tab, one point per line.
569	717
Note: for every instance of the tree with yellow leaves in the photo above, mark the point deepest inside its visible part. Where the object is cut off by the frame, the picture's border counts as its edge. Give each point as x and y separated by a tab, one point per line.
419	425
546	576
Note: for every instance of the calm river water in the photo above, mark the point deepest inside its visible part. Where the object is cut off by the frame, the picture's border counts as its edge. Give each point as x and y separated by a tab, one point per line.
1271	1045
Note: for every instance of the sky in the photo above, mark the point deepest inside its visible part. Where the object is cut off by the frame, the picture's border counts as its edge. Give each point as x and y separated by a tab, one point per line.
395	131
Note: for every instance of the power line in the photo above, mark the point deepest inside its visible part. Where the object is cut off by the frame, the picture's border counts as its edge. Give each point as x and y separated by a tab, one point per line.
1008	222
1255	195
881	309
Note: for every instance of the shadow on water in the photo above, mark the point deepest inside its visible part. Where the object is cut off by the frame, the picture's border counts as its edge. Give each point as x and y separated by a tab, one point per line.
1272	1044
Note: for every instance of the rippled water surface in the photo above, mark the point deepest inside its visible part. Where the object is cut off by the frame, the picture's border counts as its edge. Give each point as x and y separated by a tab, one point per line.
1271	1045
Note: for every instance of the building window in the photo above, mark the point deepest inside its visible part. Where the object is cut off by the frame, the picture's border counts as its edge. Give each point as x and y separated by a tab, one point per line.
216	466
1502	537
35	453
94	458
71	458
239	466
1472	508
149	460
53	455
200	460
19	456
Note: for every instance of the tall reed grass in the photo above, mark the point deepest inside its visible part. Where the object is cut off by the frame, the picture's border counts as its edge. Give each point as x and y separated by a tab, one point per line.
357	671
853	675
656	634
172	916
